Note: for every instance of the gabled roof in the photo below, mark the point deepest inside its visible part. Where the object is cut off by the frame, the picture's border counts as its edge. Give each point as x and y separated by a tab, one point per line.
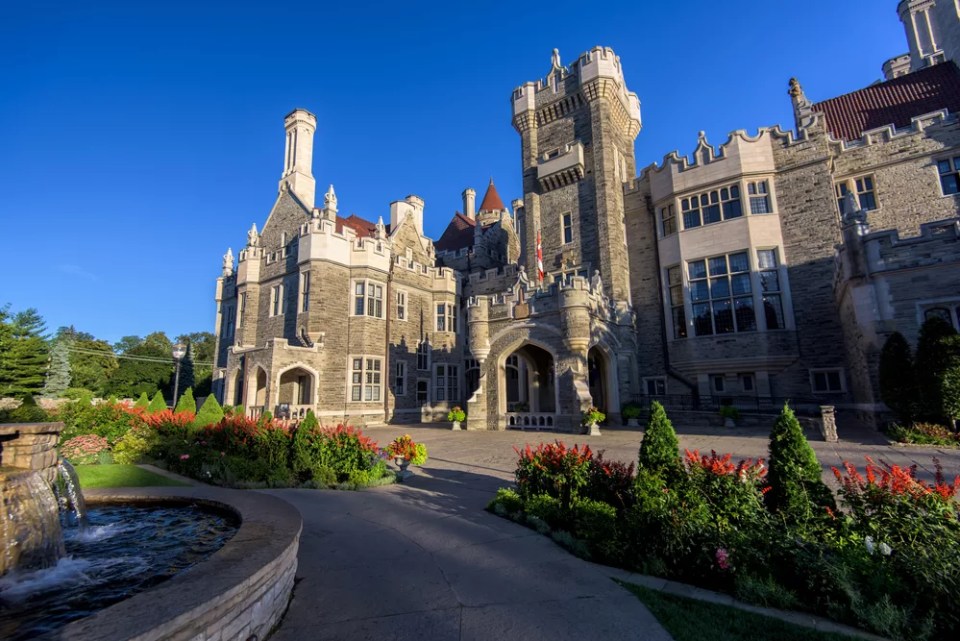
491	200
894	102
361	226
457	235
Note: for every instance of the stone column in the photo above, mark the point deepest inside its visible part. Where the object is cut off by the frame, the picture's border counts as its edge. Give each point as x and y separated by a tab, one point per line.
828	423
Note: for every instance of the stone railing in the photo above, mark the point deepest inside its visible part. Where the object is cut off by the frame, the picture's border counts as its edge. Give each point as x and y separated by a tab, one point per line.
530	420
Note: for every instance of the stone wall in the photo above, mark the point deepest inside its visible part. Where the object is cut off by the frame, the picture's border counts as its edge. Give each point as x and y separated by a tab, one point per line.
31	446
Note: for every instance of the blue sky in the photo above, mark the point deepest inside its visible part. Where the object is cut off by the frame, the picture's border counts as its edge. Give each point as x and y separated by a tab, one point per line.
139	140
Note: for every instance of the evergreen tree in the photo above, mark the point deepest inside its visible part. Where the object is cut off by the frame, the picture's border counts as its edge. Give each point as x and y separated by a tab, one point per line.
210	413
659	449
92	361
950	388
58	376
157	404
302	459
23	353
796	487
898	383
186	402
933	359
187	379
143	401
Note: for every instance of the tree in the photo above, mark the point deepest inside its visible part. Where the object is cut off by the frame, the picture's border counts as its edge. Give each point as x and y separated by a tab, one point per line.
660	448
950	388
142	402
202	346
210	413
187	379
898	383
796	486
58	376
146	365
186	403
933	359
301	447
92	361
157	404
23	353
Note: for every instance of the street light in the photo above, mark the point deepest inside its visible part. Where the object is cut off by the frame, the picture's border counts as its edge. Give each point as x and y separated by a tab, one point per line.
179	351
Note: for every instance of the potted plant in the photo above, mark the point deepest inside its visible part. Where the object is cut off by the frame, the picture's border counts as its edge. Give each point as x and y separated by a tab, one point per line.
456	416
631	412
405	451
730	414
590	418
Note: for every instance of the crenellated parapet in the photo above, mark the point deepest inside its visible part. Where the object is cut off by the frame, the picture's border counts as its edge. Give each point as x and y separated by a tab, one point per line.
889	133
320	240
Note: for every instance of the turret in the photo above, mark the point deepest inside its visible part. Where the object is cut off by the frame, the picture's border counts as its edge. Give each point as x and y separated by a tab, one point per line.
410	206
469	203
300	126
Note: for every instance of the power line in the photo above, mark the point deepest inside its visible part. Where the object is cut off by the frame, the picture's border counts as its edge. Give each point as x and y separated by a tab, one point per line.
144	359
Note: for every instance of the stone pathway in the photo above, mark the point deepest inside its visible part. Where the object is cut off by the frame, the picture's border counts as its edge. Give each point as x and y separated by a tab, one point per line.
424	561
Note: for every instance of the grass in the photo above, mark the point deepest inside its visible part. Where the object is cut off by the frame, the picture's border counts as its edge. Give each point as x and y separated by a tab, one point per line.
120	476
691	620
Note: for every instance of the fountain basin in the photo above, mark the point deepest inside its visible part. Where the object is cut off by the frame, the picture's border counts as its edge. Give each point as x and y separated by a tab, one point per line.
239	592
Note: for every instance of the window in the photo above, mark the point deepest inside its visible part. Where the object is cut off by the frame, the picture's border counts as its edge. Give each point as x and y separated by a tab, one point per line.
948	311
567	221
722	295
368	299
677	312
716	382
423	391
668	220
241	308
304	291
770	288
399	378
446	317
711	207
759	197
746	382
401	305
423	356
949	169
365	379
276	300
447	383
826	380
862	187
655	386
228	322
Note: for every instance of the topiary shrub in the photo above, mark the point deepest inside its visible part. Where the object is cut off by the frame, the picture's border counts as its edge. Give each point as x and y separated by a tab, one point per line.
301	447
157	404
28	412
210	413
143	402
898	382
934	355
796	487
660	448
186	403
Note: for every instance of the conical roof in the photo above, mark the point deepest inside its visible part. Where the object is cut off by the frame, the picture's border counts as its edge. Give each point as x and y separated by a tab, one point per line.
491	200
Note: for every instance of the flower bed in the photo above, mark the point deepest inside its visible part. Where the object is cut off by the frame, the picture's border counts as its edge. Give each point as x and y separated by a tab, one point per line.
924	434
886	559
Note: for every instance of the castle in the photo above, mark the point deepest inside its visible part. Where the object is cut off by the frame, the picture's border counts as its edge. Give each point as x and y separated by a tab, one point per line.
772	266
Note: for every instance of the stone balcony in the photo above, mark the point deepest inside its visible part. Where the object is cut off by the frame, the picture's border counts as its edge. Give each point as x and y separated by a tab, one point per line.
562	168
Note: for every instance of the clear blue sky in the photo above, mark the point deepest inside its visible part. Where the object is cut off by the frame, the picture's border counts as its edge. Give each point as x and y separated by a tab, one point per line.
139	140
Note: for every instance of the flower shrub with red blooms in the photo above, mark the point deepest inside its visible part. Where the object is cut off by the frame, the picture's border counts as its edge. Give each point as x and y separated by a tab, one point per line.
611	482
553	469
84	450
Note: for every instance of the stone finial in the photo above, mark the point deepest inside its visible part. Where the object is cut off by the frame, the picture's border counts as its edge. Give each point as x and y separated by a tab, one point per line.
330	200
381	229
253	237
795	90
228	263
555	60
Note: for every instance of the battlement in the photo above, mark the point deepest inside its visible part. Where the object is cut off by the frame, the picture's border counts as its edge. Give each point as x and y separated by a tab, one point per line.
319	239
888	133
937	243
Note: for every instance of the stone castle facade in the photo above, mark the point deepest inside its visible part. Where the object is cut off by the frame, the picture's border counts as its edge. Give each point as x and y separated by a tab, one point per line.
772	266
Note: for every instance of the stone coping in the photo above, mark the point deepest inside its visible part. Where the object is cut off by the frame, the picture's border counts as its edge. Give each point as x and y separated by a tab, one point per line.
802	619
250	576
31	428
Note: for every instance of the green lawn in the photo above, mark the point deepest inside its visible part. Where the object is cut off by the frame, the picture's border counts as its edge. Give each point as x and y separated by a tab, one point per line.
119	476
691	620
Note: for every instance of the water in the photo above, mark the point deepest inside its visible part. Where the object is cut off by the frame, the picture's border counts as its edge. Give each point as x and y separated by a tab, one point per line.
29	522
123	550
69	496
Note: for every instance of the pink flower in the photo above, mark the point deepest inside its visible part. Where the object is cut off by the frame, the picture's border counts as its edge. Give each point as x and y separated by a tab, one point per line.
184	457
723	559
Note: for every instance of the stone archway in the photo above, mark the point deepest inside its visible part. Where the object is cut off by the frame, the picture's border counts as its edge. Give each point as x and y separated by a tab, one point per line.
238	395
602	380
527	387
257	395
296	390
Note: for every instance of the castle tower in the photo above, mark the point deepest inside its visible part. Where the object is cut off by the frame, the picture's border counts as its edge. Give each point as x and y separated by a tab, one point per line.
300	125
577	128
923	37
469	200
491	206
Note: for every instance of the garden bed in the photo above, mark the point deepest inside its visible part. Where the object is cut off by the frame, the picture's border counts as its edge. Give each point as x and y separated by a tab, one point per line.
924	434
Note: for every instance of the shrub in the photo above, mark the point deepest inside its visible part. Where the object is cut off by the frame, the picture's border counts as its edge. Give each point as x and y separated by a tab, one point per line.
796	489
108	420
85	449
28	412
186	402
547	509
591	416
210	413
157	404
729	411
143	402
595	522
631	411
553	469
457	415
950	392
898	383
506	502
301	455
611	482
935	354
136	444
660	448
924	434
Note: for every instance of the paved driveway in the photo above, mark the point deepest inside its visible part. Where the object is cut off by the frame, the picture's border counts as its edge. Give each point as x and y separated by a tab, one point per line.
423	561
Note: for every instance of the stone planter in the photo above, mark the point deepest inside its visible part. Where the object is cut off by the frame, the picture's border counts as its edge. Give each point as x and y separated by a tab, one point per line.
633	422
456	426
403	464
729	423
592	429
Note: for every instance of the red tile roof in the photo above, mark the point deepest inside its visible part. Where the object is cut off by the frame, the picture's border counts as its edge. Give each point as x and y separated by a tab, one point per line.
893	102
491	200
457	235
362	227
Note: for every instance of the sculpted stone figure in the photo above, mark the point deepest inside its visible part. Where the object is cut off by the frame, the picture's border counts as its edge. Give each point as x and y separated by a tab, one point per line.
228	263
253	238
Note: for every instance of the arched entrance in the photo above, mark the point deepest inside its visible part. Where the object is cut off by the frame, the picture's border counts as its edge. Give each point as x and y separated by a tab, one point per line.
238	388
295	392
257	394
597	368
528	388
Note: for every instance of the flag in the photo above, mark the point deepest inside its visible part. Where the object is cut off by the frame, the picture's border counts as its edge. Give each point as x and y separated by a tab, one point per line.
539	257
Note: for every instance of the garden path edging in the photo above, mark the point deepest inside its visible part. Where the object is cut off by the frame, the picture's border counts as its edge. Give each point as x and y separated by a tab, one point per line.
802	619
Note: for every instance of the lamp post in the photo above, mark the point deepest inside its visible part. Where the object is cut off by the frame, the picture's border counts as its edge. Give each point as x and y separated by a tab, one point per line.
179	351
